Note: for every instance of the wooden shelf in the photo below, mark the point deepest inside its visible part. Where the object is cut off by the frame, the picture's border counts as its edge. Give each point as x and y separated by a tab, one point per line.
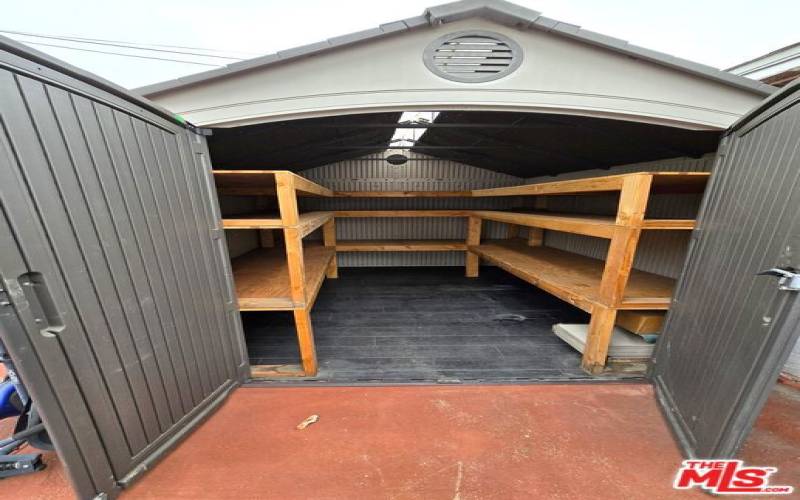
572	277
262	278
263	182
589	225
307	224
662	182
400	246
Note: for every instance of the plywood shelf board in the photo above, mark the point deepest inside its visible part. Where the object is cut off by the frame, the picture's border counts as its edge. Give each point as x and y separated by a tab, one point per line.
308	222
262	277
572	277
400	245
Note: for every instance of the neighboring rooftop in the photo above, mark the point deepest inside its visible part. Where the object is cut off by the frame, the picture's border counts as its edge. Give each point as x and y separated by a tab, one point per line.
779	67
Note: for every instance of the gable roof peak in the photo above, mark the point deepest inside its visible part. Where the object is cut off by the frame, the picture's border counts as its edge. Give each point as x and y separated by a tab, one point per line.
496	10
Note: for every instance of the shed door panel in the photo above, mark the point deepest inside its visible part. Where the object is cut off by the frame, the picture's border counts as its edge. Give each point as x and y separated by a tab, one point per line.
112	218
729	331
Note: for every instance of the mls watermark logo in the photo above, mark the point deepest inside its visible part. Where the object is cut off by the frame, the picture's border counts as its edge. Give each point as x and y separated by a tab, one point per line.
728	477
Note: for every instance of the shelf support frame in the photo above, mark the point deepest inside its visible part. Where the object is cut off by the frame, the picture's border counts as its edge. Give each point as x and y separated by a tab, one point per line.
293	240
633	198
473	239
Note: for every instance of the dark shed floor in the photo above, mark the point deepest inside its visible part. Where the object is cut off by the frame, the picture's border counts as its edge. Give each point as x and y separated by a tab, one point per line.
416	325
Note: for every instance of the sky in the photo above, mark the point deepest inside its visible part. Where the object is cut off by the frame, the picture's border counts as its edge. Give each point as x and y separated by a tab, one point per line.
720	33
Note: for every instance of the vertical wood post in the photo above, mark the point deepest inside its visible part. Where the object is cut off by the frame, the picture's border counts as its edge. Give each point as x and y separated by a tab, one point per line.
473	239
601	327
622	249
296	265
619	261
287	199
266	238
535	236
512	231
305	338
290	217
329	239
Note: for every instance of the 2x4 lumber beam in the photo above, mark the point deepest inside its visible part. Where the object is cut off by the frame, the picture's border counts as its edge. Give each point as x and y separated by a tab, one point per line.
601	227
633	200
601	327
473	239
294	259
622	250
287	199
400	213
305	338
535	236
611	183
641	322
252	221
311	221
400	246
266	239
329	240
662	182
263	182
305	186
402	194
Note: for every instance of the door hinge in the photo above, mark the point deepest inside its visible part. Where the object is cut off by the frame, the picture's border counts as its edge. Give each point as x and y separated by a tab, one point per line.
789	277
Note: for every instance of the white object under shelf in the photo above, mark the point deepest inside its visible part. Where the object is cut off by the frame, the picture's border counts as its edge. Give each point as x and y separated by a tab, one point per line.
624	345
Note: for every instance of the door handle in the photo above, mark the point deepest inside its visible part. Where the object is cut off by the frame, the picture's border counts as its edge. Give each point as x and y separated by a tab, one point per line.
40	302
789	277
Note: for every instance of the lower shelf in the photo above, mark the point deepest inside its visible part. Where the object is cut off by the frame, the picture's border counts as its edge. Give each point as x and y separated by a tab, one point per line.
262	277
572	277
400	246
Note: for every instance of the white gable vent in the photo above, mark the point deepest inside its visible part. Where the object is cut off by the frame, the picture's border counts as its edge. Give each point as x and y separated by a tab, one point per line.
473	56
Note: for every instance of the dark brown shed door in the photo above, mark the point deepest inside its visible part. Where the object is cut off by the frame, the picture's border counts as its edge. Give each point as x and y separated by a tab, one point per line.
730	330
116	299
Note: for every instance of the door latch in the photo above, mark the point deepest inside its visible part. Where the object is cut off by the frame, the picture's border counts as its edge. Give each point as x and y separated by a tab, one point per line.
789	277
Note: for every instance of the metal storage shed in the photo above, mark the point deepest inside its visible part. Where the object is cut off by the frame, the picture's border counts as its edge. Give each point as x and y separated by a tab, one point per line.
118	303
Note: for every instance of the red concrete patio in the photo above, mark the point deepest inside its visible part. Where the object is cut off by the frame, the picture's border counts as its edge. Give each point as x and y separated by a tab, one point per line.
433	442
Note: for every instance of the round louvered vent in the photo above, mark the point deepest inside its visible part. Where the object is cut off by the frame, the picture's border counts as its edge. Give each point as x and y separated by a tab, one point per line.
473	56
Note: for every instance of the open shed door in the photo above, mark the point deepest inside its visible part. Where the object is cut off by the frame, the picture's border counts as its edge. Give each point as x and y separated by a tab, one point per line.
730	329
116	301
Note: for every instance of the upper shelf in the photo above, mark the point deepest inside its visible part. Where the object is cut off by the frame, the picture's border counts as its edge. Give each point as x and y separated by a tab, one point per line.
663	182
263	182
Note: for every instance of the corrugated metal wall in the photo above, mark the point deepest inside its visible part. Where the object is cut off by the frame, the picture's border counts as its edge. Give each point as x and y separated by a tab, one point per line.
421	173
